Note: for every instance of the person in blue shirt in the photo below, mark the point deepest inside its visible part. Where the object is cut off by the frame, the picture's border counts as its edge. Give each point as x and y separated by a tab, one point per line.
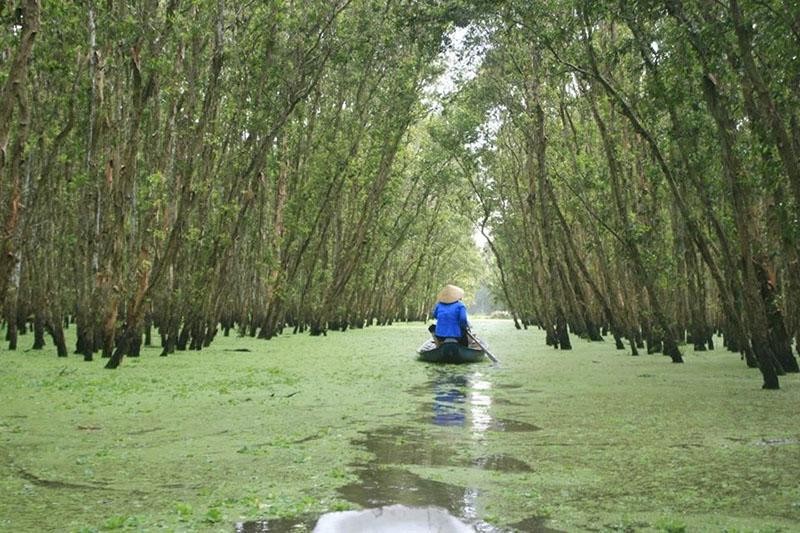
451	315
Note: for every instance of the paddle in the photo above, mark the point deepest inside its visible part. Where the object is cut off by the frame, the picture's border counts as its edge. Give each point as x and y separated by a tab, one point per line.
483	347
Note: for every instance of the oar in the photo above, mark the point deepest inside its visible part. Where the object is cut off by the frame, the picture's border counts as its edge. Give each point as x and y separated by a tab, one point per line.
483	347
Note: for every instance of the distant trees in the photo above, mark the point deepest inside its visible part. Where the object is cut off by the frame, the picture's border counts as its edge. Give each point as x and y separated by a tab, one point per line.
643	175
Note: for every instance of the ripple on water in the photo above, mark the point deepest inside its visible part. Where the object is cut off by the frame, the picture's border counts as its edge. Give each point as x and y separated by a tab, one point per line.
534	524
452	417
501	463
397	518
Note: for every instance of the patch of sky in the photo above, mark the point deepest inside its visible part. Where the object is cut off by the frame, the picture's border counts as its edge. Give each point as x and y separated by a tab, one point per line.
462	57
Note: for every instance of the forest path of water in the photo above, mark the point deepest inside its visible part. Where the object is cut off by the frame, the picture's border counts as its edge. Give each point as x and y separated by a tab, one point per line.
272	437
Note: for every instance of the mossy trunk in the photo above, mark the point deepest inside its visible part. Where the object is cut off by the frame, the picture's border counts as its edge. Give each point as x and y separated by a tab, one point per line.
168	343
634	349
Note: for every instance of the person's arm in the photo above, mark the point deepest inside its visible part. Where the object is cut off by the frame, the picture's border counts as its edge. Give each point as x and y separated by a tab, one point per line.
462	317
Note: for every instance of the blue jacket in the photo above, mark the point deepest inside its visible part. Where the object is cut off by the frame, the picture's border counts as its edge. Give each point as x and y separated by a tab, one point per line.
451	319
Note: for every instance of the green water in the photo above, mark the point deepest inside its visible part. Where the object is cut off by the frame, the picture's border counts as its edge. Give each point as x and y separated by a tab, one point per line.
587	440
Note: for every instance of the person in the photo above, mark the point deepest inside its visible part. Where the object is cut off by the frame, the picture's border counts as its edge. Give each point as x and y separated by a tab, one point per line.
450	314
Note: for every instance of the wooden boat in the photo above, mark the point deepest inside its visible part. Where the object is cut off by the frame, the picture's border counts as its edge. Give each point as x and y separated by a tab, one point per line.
450	352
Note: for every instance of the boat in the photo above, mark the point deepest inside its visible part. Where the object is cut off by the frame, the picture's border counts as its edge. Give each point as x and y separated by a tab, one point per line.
450	352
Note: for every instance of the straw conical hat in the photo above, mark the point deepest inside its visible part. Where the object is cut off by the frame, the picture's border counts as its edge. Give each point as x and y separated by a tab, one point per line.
450	294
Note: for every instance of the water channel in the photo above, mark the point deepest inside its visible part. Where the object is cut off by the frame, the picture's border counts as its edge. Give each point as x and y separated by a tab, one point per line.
455	419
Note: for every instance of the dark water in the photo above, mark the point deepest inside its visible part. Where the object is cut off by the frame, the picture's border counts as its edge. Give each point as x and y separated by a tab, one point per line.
534	524
377	487
282	525
456	416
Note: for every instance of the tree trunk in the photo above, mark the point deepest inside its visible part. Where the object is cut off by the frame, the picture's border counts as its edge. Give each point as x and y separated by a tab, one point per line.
11	333
779	339
576	256
12	312
38	332
753	303
56	329
14	93
148	332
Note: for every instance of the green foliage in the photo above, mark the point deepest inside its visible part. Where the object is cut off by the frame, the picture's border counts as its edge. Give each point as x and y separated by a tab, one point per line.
121	522
631	153
213	516
184	511
295	163
238	159
671	525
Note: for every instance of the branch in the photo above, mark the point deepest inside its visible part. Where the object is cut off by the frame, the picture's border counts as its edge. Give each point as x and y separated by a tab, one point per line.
589	208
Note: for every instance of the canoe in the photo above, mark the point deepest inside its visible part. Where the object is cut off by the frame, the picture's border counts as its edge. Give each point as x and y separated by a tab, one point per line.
450	352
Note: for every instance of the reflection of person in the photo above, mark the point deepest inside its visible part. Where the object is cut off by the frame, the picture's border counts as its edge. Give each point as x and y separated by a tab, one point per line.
451	315
448	408
449	397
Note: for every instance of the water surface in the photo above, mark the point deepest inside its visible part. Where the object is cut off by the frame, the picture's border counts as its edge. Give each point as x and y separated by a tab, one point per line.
408	461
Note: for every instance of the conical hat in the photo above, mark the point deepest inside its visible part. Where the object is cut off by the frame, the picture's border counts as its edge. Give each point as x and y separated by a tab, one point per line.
450	294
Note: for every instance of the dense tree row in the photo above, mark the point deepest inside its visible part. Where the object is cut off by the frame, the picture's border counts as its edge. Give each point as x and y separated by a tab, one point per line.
178	165
645	175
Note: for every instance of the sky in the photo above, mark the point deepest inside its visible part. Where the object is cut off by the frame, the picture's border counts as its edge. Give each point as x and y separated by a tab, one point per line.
461	63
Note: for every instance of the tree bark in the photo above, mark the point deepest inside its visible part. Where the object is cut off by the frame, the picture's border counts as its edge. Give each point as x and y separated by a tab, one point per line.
753	303
14	94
